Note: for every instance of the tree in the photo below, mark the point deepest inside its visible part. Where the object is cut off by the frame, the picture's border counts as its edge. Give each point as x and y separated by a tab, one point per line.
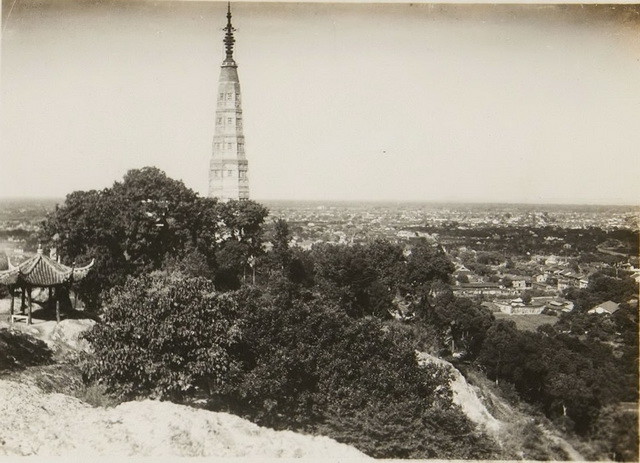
363	279
462	321
4	264
239	240
388	261
301	270
242	221
130	228
427	264
563	375
281	238
499	350
145	221
166	336
342	274
615	289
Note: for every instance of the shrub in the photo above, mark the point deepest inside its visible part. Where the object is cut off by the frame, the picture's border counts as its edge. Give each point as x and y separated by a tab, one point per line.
616	434
165	336
19	350
311	367
96	395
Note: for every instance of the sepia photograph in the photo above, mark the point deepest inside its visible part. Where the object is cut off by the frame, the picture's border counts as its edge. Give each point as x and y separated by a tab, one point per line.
319	230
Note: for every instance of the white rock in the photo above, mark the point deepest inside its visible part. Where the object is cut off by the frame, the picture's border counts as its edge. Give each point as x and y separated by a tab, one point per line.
465	395
35	423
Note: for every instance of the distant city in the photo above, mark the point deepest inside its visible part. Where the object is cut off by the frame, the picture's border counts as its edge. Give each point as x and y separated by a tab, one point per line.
500	250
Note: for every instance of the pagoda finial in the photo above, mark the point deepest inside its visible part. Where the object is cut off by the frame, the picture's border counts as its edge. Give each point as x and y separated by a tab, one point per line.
228	37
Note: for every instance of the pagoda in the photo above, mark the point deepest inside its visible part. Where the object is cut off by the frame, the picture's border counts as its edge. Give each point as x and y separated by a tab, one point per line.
228	177
39	271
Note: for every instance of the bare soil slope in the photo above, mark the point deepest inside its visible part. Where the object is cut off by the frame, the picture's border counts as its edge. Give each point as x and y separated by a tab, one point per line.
37	423
517	432
36	419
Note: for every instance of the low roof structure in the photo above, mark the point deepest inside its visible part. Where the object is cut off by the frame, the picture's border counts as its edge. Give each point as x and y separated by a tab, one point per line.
609	307
42	271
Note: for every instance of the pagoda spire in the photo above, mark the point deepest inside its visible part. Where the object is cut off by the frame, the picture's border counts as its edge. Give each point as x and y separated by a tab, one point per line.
228	168
228	38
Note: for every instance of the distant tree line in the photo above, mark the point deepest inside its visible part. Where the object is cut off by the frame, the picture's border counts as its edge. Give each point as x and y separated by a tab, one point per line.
513	240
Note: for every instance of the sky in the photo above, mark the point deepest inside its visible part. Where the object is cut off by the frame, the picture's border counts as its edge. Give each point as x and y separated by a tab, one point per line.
419	102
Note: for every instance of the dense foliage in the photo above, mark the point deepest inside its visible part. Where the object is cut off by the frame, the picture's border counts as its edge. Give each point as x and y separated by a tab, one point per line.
462	323
138	224
286	359
193	307
165	336
615	434
602	288
562	375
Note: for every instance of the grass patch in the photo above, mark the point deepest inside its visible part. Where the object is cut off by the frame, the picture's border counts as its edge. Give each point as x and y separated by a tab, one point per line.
528	322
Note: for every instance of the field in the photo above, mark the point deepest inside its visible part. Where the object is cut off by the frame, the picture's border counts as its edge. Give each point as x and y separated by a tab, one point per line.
528	322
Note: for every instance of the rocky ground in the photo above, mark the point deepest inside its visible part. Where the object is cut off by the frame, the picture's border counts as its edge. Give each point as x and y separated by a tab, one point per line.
36	419
37	423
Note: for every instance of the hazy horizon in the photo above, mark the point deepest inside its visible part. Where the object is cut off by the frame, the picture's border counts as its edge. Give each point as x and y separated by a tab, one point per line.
509	104
60	200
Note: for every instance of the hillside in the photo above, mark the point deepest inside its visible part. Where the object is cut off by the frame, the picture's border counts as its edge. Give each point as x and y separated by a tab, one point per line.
38	423
43	416
517	432
39	420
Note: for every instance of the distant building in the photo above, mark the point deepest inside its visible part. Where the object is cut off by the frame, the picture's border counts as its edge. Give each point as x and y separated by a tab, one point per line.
406	234
481	289
542	278
228	170
521	283
608	307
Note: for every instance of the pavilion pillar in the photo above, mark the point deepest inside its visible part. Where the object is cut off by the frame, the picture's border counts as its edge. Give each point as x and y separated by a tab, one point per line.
57	306
30	303
12	302
22	297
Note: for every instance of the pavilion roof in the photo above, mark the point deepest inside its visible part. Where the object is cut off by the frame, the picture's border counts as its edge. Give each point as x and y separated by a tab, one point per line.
43	271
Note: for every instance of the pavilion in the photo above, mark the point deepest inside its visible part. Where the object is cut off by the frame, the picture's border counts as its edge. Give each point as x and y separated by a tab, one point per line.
39	271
